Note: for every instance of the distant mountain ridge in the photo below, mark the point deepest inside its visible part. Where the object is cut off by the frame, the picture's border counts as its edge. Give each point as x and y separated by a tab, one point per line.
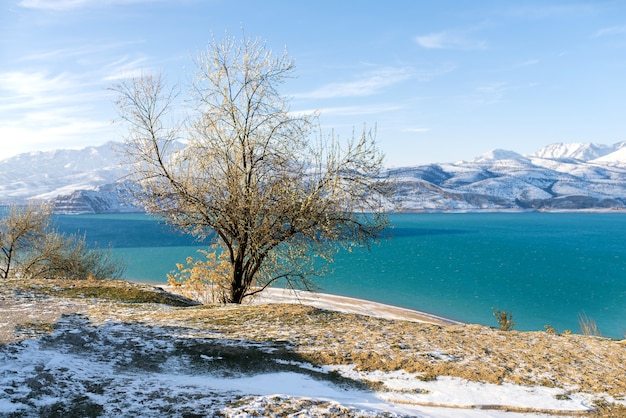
46	174
89	180
560	176
576	150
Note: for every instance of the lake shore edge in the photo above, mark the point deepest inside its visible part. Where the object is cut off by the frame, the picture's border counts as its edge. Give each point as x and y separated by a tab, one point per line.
331	302
348	304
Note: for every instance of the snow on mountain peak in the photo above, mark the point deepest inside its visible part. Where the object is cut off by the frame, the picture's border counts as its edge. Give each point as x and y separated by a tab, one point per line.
498	154
583	151
53	172
617	157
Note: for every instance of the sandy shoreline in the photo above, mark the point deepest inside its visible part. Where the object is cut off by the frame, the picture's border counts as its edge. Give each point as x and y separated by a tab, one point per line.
349	305
337	303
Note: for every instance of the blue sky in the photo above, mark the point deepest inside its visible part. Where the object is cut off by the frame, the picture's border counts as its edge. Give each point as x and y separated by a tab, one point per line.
441	80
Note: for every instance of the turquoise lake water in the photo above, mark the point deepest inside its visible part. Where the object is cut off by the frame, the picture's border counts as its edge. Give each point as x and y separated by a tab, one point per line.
546	268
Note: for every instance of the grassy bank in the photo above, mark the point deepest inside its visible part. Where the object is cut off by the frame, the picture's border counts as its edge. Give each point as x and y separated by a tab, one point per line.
264	338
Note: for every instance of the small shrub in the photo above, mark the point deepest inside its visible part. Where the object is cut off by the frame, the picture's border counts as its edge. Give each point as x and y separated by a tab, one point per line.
427	377
206	280
30	247
37	326
604	408
549	329
505	319
33	329
587	325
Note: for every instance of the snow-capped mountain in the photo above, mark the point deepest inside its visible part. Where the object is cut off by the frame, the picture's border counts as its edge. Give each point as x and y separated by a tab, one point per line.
576	150
118	197
44	175
558	177
68	175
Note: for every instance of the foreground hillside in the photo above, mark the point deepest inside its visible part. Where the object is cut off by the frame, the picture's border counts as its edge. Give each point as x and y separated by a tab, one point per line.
77	350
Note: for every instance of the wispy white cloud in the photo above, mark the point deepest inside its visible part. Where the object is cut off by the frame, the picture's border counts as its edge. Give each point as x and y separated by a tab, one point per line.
358	110
490	93
80	51
55	4
42	106
52	54
366	85
546	10
610	31
493	92
98	65
37	102
39	108
426	75
126	67
527	63
65	5
59	96
516	65
74	133
19	84
38	91
417	130
450	40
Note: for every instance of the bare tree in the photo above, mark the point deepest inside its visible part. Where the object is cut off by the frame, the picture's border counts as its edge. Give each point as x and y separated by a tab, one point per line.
253	177
31	247
20	229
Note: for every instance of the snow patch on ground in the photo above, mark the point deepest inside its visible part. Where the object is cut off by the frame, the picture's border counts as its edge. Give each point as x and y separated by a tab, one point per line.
409	388
133	369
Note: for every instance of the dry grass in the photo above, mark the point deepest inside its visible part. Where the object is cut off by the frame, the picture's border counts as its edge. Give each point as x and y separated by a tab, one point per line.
588	325
477	353
471	352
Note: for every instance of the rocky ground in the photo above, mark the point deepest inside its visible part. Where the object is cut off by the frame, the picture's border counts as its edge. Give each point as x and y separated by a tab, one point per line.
124	349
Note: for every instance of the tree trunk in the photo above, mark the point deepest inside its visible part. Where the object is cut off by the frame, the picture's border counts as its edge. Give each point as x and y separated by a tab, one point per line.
237	288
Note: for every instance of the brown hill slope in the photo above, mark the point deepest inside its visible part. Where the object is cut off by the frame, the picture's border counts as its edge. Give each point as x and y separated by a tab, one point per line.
282	337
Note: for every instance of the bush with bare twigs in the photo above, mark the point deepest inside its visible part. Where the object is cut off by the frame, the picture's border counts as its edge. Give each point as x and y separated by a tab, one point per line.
505	319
